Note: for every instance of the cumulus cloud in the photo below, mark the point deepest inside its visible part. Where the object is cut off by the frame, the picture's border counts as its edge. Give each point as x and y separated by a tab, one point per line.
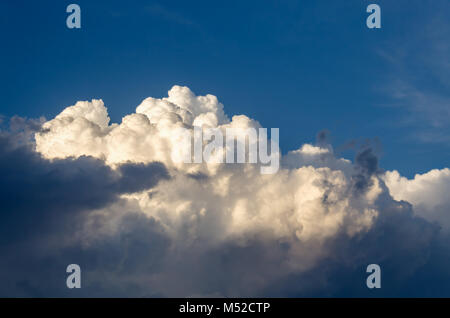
427	192
234	201
141	224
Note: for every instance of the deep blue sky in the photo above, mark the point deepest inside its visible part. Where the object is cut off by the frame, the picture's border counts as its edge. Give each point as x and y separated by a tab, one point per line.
302	66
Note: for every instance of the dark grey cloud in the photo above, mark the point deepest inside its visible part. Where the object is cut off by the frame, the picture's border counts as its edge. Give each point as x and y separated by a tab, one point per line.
366	165
394	243
323	138
113	265
33	189
43	204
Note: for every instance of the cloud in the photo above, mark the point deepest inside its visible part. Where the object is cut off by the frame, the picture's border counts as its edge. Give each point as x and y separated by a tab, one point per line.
230	198
419	82
427	192
44	202
159	11
93	193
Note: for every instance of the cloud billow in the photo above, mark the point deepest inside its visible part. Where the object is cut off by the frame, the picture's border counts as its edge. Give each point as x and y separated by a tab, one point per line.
110	198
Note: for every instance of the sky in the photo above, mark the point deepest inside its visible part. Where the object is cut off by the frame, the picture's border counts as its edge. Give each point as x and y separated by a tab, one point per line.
301	66
90	120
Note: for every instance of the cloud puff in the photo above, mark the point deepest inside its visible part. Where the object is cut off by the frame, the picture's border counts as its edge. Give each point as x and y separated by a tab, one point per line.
141	228
427	192
235	201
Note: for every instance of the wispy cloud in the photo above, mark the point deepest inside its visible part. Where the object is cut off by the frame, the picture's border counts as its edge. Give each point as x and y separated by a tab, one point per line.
419	80
168	14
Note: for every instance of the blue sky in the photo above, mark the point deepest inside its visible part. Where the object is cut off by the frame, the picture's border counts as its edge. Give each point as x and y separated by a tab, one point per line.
302	66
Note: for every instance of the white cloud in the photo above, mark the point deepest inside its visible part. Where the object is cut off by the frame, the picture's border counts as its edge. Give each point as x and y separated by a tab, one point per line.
235	201
428	193
314	199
